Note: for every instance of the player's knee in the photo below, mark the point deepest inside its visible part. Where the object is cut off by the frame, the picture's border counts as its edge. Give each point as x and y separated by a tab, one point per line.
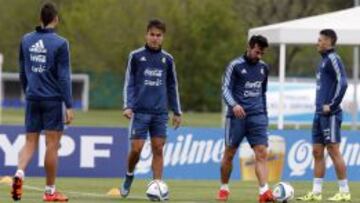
157	151
318	154
52	145
261	154
333	151
135	150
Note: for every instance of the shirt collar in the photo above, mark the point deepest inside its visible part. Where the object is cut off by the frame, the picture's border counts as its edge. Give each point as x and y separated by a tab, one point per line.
44	30
152	50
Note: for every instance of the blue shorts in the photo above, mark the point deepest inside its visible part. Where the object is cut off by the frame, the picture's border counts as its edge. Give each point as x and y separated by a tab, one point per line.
326	128
142	124
253	127
44	115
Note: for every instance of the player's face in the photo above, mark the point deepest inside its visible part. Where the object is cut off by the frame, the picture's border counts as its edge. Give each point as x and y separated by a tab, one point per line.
255	53
154	38
324	43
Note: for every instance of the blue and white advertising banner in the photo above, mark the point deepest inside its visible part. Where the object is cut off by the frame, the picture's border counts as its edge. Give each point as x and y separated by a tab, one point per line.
299	101
189	153
195	153
84	152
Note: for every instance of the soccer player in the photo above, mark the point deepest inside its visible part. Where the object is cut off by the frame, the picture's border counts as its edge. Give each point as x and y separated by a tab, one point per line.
244	87
150	89
45	77
331	84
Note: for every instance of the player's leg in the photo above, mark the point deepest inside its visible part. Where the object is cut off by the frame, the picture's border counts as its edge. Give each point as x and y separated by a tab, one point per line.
257	137
333	148
26	153
234	133
138	130
319	167
158	132
261	169
33	125
157	145
134	154
319	162
225	172
53	125
25	156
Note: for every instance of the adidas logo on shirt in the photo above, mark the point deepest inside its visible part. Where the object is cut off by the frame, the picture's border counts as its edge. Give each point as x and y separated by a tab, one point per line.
243	71
38	47
143	58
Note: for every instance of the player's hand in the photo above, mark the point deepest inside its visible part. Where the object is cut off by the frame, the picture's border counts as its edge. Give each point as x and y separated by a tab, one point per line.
128	113
69	117
326	109
239	111
176	121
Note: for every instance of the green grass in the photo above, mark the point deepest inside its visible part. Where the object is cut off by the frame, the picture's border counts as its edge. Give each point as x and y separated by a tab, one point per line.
78	190
114	118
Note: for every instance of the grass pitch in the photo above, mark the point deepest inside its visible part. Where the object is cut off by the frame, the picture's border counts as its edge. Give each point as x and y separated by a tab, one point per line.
91	190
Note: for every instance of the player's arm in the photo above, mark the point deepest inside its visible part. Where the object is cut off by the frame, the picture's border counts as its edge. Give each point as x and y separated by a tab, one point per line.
227	86
338	69
129	87
264	88
23	78
173	94
64	71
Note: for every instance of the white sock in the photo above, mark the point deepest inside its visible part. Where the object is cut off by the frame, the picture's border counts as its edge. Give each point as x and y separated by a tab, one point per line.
224	187
263	189
343	186
50	189
317	185
20	173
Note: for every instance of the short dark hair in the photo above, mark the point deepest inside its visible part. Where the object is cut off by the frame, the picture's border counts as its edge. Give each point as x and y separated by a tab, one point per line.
156	23
331	34
260	40
48	13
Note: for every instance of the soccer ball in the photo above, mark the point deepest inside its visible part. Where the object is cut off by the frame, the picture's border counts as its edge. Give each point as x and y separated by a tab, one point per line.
283	192
157	191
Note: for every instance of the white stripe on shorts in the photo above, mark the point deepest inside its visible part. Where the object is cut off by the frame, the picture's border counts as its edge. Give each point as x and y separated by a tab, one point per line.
227	131
332	129
131	125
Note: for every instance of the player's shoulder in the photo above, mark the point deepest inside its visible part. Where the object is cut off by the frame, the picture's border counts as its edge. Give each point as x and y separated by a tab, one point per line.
28	35
334	60
136	52
60	38
263	64
333	56
167	55
237	61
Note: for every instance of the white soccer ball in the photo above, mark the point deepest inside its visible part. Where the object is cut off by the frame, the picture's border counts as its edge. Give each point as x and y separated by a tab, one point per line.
157	191
283	192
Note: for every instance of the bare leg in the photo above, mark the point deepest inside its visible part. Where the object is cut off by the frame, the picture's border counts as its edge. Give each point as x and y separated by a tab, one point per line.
338	160
226	164
319	160
51	155
134	155
261	168
157	145
26	153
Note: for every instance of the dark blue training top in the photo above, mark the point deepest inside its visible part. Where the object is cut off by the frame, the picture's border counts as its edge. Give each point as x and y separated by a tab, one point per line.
331	82
150	82
45	66
245	83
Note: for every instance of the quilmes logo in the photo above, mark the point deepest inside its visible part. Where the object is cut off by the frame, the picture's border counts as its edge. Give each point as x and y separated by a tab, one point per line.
183	151
38	47
300	156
